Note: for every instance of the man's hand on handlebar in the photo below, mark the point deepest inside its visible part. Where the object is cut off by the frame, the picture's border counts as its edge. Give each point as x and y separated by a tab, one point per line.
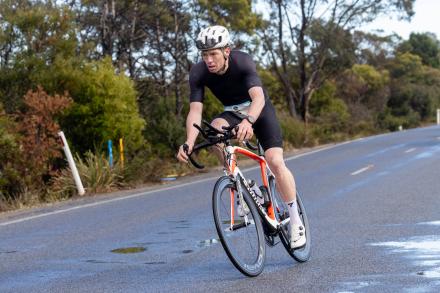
245	131
212	136
182	155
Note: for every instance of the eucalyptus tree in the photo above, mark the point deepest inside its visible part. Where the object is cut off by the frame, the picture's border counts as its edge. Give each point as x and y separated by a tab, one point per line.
305	39
425	45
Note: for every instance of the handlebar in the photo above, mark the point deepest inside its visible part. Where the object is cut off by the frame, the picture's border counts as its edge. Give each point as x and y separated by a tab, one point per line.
213	136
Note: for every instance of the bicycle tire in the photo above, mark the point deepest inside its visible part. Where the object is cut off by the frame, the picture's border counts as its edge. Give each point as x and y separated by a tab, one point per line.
301	254
233	241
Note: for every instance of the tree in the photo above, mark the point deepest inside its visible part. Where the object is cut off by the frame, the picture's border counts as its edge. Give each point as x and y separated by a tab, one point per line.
365	90
314	41
11	181
424	45
34	34
414	89
104	107
142	41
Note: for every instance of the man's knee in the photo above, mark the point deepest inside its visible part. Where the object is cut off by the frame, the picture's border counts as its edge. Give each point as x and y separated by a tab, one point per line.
218	123
275	161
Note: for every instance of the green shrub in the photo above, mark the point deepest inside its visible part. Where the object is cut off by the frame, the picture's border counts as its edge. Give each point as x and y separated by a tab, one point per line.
11	181
388	121
104	107
292	129
330	115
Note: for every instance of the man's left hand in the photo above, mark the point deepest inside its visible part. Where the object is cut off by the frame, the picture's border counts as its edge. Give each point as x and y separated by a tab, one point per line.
245	130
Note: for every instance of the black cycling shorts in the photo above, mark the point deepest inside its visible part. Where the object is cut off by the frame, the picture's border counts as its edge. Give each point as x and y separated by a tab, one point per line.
266	128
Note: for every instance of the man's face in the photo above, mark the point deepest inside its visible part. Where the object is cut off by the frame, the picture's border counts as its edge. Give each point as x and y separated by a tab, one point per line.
214	59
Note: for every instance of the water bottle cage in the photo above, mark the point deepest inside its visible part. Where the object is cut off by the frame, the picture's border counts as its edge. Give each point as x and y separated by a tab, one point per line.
265	194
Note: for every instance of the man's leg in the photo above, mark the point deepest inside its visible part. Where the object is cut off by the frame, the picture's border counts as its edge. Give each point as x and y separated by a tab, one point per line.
285	181
287	188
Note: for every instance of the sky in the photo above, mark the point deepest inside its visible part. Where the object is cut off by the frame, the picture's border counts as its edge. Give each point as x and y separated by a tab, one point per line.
426	19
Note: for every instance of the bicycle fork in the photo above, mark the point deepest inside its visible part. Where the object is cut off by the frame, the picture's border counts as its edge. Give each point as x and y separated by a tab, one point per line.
240	201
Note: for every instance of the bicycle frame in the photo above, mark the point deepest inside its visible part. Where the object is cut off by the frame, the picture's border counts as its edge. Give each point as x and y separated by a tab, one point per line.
234	171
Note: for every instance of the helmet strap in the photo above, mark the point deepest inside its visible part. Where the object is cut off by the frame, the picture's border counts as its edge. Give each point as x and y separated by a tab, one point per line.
225	66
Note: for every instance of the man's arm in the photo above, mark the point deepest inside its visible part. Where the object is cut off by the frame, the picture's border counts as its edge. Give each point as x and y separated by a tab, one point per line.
257	95
245	130
194	116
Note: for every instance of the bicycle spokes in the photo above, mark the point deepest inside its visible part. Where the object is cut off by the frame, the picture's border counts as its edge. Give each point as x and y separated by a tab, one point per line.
241	234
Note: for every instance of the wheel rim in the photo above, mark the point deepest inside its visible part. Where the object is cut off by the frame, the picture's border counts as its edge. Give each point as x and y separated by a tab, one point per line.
242	243
300	254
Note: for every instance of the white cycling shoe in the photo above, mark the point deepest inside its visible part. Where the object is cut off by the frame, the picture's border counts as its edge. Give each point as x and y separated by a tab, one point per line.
297	236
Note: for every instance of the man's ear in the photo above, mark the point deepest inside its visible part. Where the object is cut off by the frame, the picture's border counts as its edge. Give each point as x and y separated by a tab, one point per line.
227	51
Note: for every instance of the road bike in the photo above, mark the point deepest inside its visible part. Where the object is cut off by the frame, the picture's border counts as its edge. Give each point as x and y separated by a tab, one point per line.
248	216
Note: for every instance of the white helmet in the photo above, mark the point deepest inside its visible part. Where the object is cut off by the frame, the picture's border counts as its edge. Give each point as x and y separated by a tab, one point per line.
213	37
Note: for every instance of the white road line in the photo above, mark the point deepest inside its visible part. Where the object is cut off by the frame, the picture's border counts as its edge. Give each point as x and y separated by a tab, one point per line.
151	191
100	202
410	150
362	170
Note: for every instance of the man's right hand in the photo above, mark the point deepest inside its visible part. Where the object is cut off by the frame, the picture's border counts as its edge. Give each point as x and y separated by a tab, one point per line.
182	155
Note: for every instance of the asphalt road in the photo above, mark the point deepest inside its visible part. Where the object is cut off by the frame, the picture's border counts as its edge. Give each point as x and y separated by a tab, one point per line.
373	206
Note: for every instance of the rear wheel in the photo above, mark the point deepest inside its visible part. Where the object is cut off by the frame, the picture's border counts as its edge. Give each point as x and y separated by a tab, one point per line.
301	254
242	237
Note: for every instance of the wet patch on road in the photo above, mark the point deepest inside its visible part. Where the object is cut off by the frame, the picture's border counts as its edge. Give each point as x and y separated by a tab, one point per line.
165	233
207	243
155	263
126	250
178	221
103	261
424	251
355	286
8	251
432	223
151	243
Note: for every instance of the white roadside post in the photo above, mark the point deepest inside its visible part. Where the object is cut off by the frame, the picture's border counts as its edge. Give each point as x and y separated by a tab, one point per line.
438	116
72	165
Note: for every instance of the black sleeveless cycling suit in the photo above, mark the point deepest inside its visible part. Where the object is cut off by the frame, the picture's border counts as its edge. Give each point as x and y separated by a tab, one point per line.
231	88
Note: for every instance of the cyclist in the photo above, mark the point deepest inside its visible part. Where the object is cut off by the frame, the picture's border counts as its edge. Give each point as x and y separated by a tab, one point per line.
232	77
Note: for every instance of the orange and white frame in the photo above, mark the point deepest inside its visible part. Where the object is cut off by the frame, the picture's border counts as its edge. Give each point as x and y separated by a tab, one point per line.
233	170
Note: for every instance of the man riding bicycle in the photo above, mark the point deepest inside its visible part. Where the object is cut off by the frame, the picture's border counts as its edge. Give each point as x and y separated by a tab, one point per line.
232	77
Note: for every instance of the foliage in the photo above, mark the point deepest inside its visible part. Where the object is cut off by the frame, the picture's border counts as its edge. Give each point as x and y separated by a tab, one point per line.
96	175
30	157
11	182
329	112
365	90
414	89
33	35
105	108
125	66
165	130
424	45
39	130
236	14
292	129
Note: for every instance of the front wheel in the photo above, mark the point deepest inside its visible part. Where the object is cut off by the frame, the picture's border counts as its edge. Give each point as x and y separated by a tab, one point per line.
301	254
242	236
